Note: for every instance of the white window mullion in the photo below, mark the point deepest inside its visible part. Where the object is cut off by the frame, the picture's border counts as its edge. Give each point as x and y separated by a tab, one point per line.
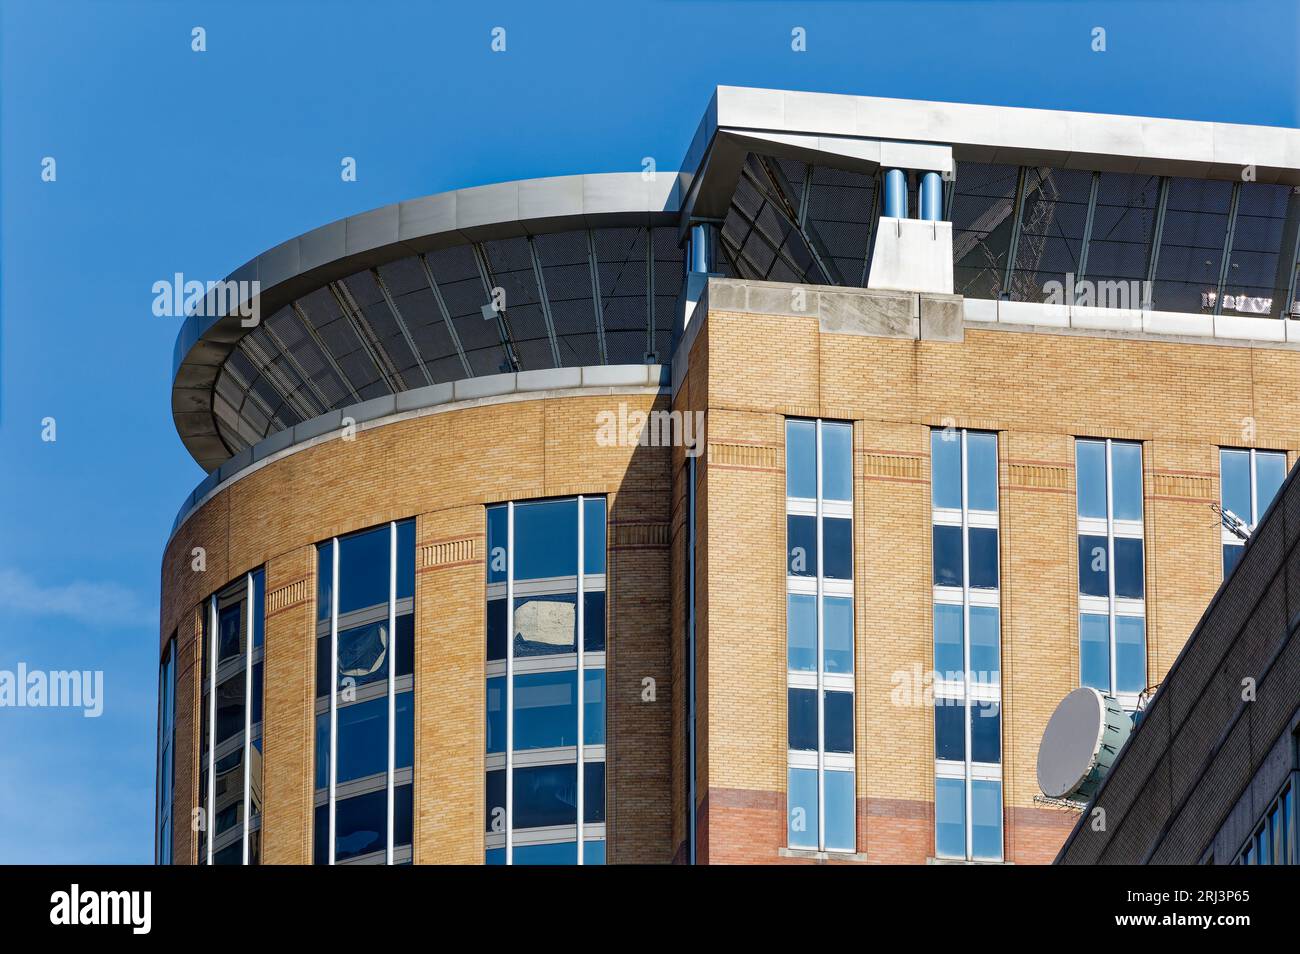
248	703
392	680
334	688
817	643
510	679
581	677
965	640
1110	564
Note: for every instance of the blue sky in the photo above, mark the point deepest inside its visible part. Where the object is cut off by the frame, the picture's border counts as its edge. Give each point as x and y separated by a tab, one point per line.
170	160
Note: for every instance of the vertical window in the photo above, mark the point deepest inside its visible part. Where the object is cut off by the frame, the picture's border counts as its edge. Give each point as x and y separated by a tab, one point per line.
1112	568
365	696
819	636
546	683
166	737
230	774
1274	840
967	645
1248	481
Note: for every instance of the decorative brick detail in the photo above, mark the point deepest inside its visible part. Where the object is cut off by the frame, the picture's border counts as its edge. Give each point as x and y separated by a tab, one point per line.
1029	476
893	466
1184	486
747	456
288	595
638	535
449	552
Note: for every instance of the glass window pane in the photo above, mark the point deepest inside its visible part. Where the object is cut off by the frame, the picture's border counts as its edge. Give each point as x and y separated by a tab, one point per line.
403	815
985	644
983	558
546	625
945	468
259	607
360	824
985	732
1130	653
1231	555
1234	482
364	571
496	714
986	819
324	579
801	823
497	624
593	621
564	853
363	655
947	556
593	536
593	707
498	541
593	851
949	732
949	655
1094	651
1126	480
838	730
1129	573
1093	564
1270	472
800	459
256	714
802	729
546	539
801	545
404	735
546	795
840	820
495	818
494	856
230	632
405	559
230	707
837	625
801	632
837	461
837	539
323	749
323	665
362	746
982	472
546	709
593	792
1090	478
230	792
406	644
950	817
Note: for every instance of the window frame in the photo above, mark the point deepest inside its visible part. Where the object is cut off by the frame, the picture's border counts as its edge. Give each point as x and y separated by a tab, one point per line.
1226	537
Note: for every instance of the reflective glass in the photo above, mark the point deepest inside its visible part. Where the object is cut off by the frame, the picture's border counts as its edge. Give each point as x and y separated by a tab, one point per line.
362	745
546	625
1231	556
985	732
801	632
1130	653
495	818
949	655
1234	482
950	817
800	459
840	821
947	556
837	461
986	819
837	625
364	570
983	548
593	621
593	851
496	714
259	608
982	472
230	707
802	729
593	536
1093	562
324	579
546	539
1270	472
230	632
360	824
949	730
801	545
593	793
1126	480
546	710
945	468
1094	651
801	815
838	728
1129	573
545	795
985	644
405	644
406	559
363	654
498	621
564	853
593	707
837	539
498	542
1090	478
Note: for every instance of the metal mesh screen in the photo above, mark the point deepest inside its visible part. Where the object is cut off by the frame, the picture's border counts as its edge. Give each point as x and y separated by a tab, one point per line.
1259	269
983	201
1122	225
1052	224
1191	245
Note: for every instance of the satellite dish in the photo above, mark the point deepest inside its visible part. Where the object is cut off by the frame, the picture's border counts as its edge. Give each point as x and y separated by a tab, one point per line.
1080	743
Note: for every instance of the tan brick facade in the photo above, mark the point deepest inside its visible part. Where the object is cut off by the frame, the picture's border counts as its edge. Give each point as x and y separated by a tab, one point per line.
440	468
1038	391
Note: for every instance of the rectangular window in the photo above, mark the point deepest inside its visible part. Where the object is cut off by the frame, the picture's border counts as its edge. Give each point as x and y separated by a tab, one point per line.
1275	839
819	636
1249	479
546	687
365	696
166	748
1112	568
230	741
967	645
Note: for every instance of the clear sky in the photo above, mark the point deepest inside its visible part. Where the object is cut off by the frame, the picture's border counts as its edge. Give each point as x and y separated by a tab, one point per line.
174	161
